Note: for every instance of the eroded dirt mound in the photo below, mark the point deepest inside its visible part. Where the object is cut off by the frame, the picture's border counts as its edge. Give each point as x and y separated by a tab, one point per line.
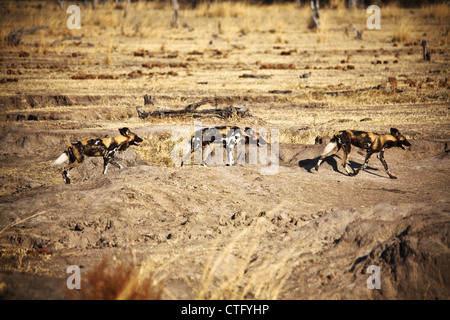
414	262
409	245
46	100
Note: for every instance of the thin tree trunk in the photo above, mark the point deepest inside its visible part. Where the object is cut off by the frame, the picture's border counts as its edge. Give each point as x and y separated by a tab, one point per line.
351	4
315	16
174	23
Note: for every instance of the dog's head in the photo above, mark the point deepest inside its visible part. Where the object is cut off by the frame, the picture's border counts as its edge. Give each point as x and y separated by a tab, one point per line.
401	141
133	138
254	137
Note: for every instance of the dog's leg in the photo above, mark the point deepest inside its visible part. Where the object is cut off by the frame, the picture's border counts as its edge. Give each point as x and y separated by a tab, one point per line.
195	144
210	153
345	164
105	165
66	176
381	157
72	165
114	163
346	148
364	165
187	155
109	158
229	147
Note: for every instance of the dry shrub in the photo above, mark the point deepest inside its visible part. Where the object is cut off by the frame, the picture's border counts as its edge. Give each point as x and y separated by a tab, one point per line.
239	272
108	60
125	282
224	9
306	136
403	31
439	11
338	4
279	66
157	148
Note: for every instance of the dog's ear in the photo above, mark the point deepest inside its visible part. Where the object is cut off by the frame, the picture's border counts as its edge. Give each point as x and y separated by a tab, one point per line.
124	131
251	133
394	132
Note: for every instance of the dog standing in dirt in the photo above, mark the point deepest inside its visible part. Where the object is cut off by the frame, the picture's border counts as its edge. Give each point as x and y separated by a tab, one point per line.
371	142
106	148
228	136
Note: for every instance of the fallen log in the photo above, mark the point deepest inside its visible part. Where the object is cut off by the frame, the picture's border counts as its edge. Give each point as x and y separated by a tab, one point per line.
280	91
14	37
191	110
65	39
379	87
255	76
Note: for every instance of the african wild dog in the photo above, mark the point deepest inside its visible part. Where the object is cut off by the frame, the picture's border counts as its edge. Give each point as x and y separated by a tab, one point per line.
228	136
106	148
371	142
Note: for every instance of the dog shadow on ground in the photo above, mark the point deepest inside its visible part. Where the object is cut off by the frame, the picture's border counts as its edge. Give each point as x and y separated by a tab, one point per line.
309	164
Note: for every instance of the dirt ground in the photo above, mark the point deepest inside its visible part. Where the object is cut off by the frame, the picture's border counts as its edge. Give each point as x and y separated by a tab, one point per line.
227	232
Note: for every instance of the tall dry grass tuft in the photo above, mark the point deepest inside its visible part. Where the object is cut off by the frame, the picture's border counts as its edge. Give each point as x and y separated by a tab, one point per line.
224	9
338	4
240	272
124	282
403	31
438	12
157	148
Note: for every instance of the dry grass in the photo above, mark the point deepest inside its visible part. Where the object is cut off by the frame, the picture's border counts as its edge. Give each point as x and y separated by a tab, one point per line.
225	9
156	148
123	282
239	272
403	31
439	12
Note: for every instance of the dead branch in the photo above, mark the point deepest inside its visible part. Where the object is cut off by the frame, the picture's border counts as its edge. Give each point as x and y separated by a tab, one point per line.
65	39
195	105
379	87
191	110
34	30
280	91
255	76
13	39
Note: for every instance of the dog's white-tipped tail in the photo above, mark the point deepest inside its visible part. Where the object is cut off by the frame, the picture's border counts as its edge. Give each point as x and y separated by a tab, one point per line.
62	158
329	148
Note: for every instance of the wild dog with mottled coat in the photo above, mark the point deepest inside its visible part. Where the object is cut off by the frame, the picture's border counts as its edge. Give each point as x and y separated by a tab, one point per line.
371	142
228	136
106	148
